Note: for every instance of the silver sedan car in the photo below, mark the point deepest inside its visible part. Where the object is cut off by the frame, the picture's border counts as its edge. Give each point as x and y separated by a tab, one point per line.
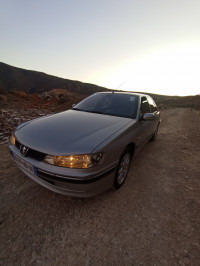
88	149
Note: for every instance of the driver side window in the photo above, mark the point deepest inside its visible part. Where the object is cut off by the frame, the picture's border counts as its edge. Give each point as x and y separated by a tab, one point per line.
145	108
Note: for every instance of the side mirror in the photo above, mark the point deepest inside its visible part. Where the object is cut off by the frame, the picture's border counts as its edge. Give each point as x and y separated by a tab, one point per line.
73	105
148	117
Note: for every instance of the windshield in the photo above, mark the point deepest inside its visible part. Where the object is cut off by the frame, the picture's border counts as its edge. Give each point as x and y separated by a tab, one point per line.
116	104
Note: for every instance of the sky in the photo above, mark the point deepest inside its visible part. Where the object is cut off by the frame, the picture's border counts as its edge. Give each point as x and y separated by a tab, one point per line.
133	45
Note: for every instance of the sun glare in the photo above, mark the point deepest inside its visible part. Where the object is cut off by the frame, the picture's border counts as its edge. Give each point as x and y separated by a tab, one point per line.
171	72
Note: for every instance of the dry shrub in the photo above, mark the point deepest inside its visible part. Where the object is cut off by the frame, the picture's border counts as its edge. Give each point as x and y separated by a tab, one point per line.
3	97
20	94
36	97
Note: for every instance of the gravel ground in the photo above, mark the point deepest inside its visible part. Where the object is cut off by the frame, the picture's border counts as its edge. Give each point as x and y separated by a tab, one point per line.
154	219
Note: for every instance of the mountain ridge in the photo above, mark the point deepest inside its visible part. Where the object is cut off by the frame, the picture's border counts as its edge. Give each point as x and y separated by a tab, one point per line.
31	81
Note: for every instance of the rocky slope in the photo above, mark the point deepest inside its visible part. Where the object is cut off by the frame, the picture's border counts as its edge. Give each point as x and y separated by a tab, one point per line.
14	78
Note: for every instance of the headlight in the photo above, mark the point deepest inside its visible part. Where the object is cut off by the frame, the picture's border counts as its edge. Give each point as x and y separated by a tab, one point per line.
12	139
75	161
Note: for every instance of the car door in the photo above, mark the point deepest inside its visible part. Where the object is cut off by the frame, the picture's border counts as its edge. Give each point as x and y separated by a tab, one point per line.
155	111
145	126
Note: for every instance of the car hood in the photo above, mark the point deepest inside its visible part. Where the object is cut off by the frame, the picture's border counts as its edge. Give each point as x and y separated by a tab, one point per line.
69	132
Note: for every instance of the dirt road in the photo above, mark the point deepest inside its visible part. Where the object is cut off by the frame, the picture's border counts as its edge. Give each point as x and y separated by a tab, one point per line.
154	219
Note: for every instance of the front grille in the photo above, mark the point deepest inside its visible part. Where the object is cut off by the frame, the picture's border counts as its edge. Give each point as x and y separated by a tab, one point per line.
17	144
39	156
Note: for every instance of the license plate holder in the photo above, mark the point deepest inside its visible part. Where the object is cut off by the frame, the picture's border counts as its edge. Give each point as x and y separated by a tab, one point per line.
23	164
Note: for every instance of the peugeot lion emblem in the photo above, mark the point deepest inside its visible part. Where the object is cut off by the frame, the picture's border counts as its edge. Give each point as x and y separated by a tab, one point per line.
23	150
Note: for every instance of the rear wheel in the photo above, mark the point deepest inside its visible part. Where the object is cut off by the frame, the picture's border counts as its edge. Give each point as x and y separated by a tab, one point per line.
122	168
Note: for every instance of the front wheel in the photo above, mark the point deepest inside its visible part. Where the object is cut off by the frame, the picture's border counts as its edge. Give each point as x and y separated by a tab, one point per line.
122	168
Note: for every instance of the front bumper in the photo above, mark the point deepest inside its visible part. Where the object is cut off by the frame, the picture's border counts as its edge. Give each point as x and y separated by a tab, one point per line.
80	184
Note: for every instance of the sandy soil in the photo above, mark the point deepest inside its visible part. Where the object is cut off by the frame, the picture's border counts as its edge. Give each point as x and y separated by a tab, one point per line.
154	219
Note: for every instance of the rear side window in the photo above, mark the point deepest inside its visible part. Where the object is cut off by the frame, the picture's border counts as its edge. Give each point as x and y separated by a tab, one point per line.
152	104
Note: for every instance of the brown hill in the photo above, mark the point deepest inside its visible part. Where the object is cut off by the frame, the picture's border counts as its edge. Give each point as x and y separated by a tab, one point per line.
26	81
14	78
164	101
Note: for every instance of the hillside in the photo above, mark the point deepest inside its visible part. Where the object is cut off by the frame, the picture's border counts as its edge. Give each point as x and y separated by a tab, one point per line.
14	78
164	101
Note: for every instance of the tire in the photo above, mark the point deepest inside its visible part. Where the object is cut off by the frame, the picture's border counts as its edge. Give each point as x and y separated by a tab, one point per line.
154	137
122	168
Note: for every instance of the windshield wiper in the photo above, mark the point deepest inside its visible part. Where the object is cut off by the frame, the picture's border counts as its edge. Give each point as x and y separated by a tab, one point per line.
88	111
95	112
76	109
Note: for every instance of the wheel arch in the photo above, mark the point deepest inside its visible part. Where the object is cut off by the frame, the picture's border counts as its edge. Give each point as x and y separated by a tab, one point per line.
131	146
